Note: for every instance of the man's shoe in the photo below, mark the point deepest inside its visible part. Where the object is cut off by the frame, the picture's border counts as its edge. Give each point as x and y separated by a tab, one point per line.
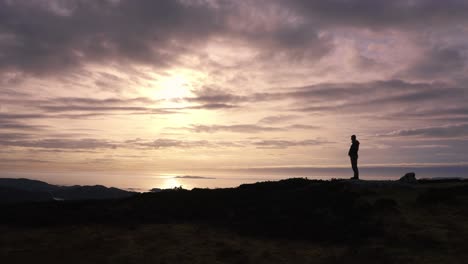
354	178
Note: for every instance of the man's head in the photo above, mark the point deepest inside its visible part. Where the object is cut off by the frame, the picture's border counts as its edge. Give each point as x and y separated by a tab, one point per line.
353	138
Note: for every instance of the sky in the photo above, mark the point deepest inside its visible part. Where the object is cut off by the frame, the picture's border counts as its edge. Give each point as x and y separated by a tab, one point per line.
121	92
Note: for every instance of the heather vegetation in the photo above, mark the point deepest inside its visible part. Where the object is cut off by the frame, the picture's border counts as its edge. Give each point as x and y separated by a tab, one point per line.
289	221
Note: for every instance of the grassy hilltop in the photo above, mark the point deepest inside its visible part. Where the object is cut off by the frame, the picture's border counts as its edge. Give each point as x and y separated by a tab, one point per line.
289	221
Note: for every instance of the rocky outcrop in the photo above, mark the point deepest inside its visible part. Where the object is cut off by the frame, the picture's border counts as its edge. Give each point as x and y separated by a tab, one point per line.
409	177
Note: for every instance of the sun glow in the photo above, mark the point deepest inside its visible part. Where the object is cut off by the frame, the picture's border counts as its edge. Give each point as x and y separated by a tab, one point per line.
170	183
173	87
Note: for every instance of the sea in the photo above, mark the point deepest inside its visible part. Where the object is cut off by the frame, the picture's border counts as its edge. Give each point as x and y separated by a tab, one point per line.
228	178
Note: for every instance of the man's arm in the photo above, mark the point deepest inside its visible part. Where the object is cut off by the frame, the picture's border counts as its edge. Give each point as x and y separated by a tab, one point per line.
353	150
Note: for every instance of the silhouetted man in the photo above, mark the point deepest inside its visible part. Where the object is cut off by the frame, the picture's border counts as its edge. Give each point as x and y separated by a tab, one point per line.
353	155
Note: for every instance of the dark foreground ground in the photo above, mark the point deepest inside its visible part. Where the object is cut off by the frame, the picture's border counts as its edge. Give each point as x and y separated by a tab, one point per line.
290	221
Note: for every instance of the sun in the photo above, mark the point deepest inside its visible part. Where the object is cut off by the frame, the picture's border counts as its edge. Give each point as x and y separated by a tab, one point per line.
171	182
173	87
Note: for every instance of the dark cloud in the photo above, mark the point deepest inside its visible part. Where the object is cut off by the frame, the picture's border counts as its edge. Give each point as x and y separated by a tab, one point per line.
13	125
11	92
12	117
369	91
19	122
50	36
59	143
353	98
449	131
380	14
14	136
37	37
438	62
447	112
215	95
387	98
28	161
210	106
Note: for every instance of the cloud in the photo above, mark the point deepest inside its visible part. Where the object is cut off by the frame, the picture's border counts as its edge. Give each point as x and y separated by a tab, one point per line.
97	102
209	106
351	98
379	91
87	143
68	143
8	116
81	108
449	131
214	96
390	90
270	144
9	161
369	65
278	119
299	126
99	106
18	126
47	37
14	136
449	112
244	128
39	38
63	107
282	144
438	62
382	14
162	143
426	146
232	128
386	98
193	177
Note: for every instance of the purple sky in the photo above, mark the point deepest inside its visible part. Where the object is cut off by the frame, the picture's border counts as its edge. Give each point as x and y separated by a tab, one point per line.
178	87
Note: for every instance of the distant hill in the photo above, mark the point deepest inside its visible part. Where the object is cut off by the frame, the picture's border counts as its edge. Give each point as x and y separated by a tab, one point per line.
26	190
12	195
27	185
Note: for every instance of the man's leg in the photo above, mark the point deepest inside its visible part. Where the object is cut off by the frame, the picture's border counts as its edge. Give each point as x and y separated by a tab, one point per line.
355	167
